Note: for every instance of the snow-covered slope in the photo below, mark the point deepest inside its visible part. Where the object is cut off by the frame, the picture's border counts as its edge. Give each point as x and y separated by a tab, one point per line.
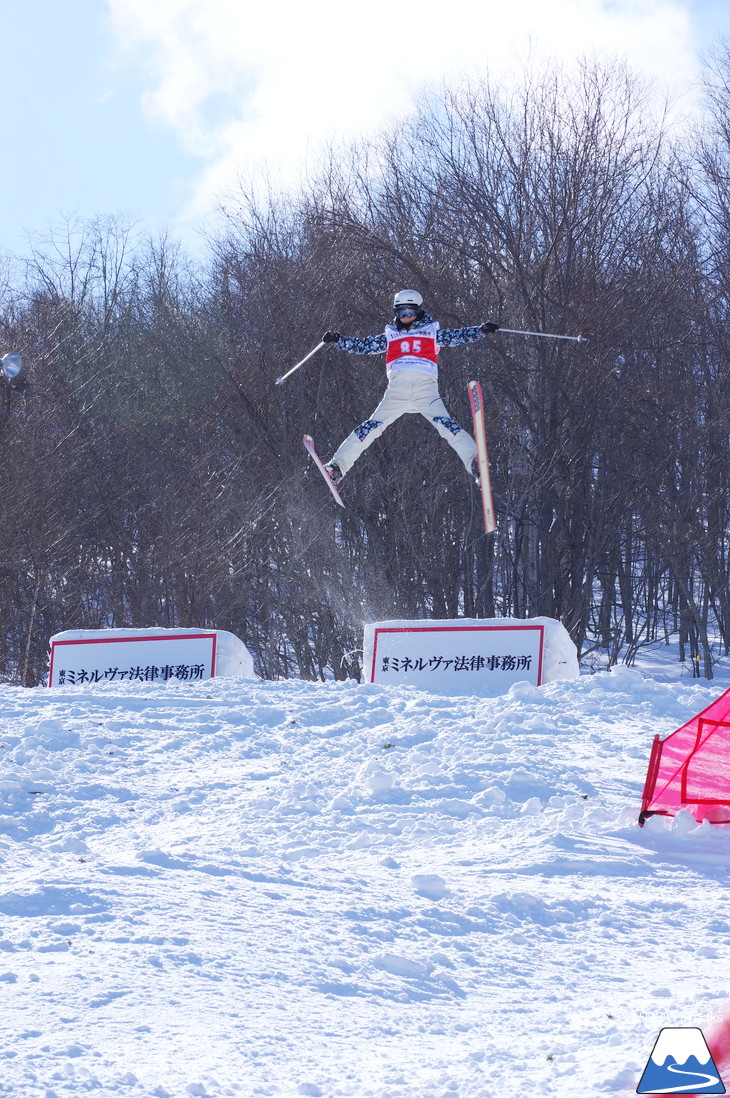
257	888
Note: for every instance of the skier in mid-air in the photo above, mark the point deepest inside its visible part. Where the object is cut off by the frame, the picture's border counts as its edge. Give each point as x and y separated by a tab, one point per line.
412	343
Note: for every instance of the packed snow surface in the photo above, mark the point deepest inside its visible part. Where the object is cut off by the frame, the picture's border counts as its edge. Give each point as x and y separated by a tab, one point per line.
252	888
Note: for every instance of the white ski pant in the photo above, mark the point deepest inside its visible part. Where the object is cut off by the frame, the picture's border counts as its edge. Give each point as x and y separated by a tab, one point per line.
408	391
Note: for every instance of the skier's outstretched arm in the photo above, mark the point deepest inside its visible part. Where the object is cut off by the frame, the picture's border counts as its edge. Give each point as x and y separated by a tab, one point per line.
368	345
456	337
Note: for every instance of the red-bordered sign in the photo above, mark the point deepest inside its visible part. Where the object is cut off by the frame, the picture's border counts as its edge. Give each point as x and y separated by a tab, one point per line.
139	657
501	654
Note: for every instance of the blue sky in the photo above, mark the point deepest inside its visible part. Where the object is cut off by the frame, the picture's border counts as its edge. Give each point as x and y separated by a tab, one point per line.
77	137
153	107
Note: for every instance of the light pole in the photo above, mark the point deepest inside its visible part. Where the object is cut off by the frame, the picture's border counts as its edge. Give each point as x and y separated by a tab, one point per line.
12	380
11	365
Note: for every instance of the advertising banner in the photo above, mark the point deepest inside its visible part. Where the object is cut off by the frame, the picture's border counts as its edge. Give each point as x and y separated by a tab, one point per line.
468	655
504	654
152	657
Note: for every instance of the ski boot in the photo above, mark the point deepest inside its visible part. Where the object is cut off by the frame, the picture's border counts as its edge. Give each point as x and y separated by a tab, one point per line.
333	471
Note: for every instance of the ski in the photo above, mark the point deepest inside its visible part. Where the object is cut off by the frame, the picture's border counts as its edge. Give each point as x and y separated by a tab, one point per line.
477	410
309	447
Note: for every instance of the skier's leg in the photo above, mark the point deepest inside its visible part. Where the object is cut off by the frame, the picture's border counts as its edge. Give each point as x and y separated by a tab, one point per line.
395	402
433	408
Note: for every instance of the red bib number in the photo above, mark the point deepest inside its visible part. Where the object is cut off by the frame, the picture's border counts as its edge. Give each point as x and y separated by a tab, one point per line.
416	346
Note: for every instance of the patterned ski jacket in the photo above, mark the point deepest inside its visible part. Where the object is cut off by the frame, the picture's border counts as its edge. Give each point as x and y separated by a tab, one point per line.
377	345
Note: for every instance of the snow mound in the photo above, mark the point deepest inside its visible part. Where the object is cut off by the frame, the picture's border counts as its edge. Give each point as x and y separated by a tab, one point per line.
250	888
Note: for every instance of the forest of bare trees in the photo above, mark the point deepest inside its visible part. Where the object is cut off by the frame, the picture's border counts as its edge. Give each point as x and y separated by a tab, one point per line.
153	474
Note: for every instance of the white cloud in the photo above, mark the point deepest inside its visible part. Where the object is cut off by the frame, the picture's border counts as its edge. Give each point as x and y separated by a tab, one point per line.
243	83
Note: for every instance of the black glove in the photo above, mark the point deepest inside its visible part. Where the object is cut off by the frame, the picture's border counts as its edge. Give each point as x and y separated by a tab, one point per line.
330	337
489	327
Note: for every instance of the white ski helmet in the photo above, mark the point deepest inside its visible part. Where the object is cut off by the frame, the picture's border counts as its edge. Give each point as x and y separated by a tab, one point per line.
408	297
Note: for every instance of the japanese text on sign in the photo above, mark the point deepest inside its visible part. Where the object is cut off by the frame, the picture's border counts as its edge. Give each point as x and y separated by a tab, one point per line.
481	655
181	672
118	657
456	663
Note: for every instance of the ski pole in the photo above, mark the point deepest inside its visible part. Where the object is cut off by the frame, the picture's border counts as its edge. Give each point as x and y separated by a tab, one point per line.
305	359
545	335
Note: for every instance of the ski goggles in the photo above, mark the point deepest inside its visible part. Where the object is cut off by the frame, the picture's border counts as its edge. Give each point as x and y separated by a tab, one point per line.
406	310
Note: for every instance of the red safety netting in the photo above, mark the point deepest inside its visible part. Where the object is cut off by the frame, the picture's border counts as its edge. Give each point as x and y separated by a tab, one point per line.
691	768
